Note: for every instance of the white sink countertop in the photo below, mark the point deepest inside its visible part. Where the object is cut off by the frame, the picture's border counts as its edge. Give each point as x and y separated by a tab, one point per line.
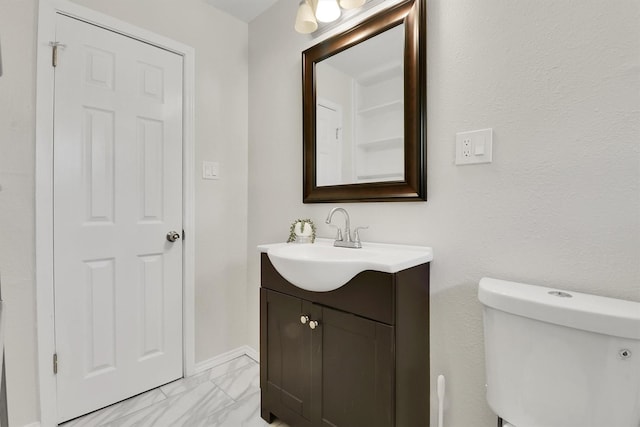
322	267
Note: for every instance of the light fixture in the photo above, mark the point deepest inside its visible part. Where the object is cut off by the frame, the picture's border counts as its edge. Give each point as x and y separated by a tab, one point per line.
305	19
312	11
351	4
327	10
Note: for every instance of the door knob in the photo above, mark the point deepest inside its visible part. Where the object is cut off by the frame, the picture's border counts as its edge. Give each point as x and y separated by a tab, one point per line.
172	236
304	319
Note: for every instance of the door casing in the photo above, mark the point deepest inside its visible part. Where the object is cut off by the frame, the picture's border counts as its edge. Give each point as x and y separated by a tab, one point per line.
44	188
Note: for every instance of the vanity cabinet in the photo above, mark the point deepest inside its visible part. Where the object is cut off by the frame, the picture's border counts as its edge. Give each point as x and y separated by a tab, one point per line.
366	362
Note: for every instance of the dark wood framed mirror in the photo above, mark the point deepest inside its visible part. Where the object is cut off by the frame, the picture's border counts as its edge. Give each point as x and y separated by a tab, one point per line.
364	110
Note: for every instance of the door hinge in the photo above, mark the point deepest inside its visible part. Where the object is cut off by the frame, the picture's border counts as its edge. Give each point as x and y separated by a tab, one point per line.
55	363
54	52
183	235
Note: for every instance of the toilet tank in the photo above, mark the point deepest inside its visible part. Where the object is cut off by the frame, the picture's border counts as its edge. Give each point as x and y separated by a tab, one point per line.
560	358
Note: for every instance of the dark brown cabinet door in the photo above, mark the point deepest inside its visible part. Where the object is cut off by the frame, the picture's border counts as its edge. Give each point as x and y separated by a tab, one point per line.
356	370
288	346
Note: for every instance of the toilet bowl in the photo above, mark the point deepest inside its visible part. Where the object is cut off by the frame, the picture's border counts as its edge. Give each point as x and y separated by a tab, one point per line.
560	359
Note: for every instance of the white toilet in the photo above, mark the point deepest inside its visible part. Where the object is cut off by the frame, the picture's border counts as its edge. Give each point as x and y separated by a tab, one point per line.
560	358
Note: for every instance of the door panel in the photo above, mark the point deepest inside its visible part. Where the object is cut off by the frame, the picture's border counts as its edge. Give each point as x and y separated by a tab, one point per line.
357	378
100	311
288	346
117	192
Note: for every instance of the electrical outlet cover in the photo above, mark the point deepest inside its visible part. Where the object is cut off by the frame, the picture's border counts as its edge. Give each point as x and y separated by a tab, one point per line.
474	147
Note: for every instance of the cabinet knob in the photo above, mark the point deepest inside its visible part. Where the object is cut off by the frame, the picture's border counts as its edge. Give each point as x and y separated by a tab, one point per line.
304	319
313	324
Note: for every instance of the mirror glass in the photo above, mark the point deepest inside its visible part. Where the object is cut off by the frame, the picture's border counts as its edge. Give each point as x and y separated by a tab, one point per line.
364	107
360	114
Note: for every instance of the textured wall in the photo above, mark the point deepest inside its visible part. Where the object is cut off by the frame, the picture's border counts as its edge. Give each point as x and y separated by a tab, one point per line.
221	127
559	83
17	244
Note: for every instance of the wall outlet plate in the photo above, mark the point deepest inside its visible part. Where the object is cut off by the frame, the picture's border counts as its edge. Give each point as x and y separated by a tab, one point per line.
474	147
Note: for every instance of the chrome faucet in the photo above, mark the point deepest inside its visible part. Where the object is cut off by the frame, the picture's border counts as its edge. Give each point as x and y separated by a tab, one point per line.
340	240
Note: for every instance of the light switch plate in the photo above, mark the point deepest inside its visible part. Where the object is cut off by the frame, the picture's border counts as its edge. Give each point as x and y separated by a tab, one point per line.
210	170
474	147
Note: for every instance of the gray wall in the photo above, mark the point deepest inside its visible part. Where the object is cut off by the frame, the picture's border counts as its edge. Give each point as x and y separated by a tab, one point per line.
559	83
17	160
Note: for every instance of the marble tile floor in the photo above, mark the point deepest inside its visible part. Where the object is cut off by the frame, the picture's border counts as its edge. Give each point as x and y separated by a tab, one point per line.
225	396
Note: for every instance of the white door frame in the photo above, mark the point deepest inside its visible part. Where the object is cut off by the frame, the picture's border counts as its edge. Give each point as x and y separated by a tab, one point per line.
48	9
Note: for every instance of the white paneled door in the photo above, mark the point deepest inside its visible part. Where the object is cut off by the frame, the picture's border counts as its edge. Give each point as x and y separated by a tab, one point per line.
117	193
328	144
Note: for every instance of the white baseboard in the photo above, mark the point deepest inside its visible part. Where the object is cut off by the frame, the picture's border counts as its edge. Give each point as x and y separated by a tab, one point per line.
252	353
225	357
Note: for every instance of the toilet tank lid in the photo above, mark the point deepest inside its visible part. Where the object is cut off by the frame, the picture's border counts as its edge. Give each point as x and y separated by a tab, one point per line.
593	313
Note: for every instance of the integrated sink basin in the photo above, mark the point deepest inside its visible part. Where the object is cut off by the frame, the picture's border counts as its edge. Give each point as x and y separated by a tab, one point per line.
321	267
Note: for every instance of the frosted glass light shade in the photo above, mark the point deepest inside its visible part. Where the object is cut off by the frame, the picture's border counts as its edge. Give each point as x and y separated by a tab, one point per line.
305	19
327	10
351	4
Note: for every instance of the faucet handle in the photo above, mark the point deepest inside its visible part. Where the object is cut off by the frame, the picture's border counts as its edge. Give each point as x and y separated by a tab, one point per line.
338	233
356	234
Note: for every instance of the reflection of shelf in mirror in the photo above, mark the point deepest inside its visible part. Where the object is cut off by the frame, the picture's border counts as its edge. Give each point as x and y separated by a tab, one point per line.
382	108
382	177
380	74
382	143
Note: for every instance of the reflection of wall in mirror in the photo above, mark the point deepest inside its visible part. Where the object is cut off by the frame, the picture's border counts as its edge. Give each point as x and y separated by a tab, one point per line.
368	81
335	87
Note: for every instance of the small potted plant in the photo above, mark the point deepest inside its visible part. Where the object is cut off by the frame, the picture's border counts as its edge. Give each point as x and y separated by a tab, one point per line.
302	231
